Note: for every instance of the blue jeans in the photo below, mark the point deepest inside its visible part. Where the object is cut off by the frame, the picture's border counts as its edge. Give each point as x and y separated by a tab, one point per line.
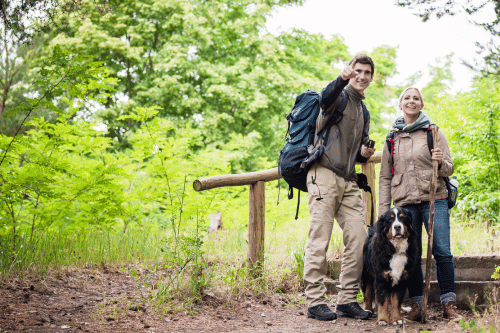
445	268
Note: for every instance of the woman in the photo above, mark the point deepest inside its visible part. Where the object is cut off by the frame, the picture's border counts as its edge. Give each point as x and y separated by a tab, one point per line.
405	178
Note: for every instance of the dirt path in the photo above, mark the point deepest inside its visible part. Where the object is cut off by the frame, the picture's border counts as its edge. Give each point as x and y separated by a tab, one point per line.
111	301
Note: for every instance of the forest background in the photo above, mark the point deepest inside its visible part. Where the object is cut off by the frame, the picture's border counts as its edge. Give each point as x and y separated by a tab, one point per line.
112	109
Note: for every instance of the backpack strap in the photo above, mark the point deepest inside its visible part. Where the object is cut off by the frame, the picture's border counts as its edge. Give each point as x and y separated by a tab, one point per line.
298	205
430	144
366	117
389	139
324	132
430	141
336	117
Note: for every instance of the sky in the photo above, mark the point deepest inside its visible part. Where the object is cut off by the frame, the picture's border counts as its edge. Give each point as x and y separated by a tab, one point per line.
366	24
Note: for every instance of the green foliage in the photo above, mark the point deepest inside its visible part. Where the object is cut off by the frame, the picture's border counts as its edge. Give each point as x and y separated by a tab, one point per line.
496	274
209	60
212	65
380	92
15	76
183	259
471	121
471	327
57	154
299	255
441	78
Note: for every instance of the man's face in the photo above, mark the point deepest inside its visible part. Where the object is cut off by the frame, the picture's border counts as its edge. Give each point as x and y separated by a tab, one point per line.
364	77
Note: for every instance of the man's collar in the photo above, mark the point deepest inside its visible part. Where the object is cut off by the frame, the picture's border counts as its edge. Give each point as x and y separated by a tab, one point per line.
354	93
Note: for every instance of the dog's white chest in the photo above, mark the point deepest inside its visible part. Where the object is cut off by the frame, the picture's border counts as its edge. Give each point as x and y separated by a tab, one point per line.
399	260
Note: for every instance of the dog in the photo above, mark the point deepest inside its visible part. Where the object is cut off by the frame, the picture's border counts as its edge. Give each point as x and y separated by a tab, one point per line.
389	258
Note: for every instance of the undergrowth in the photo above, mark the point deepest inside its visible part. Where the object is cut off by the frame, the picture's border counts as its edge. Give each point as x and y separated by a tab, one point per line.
183	268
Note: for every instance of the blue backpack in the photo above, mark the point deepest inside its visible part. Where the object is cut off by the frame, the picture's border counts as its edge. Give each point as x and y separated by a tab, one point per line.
299	136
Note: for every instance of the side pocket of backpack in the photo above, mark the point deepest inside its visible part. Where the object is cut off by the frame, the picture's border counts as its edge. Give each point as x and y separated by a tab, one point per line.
290	168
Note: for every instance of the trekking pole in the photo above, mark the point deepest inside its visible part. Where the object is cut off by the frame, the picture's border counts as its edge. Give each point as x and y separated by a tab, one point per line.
430	232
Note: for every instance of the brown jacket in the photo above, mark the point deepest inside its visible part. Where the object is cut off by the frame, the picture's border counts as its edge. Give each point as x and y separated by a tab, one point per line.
343	146
412	170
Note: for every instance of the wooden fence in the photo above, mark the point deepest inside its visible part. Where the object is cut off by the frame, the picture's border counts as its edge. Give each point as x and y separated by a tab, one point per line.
256	180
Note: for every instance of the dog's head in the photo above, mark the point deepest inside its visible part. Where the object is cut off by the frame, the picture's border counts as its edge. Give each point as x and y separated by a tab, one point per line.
395	224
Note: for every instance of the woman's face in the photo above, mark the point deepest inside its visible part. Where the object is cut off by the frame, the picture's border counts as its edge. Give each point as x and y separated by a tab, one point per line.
411	103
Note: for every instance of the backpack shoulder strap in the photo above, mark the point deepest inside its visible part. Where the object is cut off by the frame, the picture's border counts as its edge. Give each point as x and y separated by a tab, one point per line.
430	141
336	117
389	139
430	144
366	117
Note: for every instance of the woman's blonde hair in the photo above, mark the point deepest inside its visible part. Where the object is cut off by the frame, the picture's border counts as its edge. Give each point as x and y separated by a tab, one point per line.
404	92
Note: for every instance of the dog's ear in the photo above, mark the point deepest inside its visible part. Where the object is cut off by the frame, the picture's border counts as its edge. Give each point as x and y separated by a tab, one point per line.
409	220
380	223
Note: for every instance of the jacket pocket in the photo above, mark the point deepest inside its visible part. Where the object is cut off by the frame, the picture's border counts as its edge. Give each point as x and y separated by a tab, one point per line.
398	188
424	181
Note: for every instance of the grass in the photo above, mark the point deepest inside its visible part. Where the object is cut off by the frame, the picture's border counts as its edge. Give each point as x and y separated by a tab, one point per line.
70	248
61	249
486	320
193	265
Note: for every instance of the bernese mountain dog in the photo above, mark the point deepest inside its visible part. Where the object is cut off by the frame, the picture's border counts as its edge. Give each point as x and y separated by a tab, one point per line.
389	259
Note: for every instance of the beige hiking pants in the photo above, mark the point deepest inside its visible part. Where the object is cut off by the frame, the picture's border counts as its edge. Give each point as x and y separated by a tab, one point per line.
341	200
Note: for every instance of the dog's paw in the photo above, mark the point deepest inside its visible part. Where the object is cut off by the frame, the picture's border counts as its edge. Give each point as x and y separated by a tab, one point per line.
398	322
382	323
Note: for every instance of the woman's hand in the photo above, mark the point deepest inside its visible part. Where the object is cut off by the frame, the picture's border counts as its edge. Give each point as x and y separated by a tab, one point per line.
437	155
367	152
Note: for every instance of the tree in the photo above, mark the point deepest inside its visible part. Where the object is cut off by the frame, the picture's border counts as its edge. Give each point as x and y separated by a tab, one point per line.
27	19
425	9
211	64
471	121
441	78
16	79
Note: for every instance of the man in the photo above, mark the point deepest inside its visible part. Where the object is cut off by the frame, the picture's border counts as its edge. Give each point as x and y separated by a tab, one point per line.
334	194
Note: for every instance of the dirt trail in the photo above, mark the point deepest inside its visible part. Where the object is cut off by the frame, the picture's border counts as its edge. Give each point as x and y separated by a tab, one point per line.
111	301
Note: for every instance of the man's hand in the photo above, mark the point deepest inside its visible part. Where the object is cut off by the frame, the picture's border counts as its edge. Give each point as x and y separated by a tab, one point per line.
367	152
348	72
437	155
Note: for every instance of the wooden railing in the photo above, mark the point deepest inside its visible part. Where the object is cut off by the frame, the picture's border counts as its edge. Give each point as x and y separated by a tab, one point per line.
256	180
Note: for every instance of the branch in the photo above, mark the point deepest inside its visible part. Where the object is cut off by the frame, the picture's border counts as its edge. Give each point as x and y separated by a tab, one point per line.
29	113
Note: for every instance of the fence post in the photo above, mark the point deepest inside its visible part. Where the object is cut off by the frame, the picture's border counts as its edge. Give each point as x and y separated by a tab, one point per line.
256	226
368	200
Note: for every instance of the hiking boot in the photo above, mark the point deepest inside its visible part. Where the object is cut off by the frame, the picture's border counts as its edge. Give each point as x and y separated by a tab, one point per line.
415	313
353	310
321	312
450	312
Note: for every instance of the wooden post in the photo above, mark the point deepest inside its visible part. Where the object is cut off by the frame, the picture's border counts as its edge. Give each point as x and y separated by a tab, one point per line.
369	201
256	227
430	231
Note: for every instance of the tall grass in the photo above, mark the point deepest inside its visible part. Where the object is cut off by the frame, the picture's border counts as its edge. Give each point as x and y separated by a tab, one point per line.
69	248
66	248
189	263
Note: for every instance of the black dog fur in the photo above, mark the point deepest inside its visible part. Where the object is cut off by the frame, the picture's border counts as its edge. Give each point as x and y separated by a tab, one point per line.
388	284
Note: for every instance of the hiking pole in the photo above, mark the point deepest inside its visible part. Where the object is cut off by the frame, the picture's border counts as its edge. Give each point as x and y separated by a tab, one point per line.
430	232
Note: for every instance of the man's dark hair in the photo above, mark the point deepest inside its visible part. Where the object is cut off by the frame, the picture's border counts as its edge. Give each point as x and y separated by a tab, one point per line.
363	59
